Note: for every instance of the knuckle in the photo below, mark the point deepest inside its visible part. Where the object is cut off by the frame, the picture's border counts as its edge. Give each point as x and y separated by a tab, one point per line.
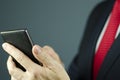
50	50
47	47
34	74
11	71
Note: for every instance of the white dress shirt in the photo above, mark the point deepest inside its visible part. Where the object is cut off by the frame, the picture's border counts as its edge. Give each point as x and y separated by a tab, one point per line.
103	31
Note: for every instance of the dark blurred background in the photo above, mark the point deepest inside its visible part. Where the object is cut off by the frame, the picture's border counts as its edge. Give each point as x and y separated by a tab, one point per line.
58	23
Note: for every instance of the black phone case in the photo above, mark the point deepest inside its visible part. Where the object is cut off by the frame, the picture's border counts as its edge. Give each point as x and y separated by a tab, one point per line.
21	40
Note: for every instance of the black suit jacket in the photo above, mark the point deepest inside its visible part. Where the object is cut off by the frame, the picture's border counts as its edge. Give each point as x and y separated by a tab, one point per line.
82	65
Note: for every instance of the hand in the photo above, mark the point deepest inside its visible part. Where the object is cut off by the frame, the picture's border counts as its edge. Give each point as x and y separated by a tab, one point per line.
52	68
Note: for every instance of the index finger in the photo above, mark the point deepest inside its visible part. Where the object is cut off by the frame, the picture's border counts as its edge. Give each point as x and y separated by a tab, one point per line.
19	56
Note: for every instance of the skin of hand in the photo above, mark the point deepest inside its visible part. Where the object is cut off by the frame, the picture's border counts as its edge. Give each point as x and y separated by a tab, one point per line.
52	68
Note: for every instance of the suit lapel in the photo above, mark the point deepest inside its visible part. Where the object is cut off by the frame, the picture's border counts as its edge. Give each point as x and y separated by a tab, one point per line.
90	52
112	55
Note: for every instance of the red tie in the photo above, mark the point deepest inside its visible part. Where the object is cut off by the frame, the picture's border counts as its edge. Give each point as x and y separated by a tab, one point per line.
107	40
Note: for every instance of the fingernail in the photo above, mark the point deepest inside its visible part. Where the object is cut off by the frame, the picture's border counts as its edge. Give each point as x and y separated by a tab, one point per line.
37	49
4	45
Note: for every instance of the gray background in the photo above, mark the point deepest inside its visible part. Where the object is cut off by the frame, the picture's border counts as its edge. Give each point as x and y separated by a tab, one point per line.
58	23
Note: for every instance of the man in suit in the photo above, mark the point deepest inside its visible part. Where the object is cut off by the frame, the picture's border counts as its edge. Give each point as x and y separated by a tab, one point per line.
82	67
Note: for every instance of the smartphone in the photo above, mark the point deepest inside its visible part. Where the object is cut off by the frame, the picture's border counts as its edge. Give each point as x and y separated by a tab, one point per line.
21	40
